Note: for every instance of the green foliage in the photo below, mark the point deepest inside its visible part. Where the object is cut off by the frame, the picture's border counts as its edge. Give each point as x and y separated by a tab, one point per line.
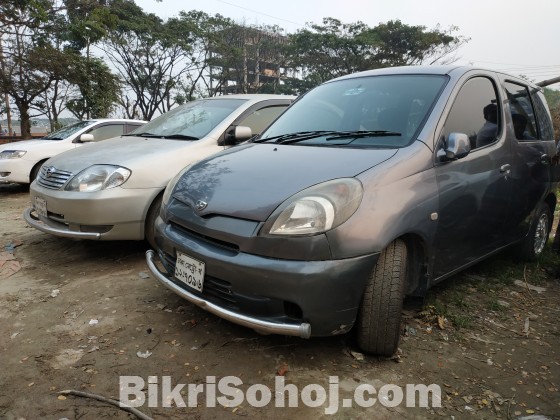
335	48
99	87
163	62
553	99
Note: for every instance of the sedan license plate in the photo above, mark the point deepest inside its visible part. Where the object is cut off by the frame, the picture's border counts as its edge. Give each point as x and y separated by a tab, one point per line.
190	271
41	206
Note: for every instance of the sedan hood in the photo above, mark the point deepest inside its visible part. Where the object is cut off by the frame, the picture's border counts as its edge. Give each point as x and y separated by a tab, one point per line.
153	161
249	182
28	144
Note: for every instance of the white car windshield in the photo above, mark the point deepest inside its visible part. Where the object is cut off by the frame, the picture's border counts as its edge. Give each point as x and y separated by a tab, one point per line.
67	131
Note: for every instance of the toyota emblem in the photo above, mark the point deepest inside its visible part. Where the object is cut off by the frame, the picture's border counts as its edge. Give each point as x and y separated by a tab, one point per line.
49	171
201	205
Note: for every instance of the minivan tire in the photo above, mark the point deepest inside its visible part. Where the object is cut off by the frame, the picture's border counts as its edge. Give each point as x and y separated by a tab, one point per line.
534	243
380	312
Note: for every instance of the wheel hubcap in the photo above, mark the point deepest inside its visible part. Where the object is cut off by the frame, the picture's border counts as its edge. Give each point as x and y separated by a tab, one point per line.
540	233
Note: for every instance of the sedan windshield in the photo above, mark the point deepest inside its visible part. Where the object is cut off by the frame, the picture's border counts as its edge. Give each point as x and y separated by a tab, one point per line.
374	111
191	121
67	131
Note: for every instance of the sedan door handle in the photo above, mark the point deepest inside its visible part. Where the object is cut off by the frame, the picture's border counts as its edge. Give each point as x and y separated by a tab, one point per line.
505	168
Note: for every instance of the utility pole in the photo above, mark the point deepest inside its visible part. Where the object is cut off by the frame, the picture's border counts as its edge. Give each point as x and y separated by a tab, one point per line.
6	96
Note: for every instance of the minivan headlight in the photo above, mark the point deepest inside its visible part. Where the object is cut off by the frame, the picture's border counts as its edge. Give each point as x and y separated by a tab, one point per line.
316	209
12	154
98	177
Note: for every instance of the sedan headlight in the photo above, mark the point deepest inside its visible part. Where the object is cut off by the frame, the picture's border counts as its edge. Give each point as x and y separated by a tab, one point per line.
98	177
171	185
12	154
316	209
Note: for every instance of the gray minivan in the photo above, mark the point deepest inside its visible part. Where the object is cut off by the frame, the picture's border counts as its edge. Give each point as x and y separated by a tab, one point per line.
370	187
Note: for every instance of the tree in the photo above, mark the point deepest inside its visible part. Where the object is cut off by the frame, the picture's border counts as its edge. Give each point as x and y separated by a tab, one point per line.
89	22
148	56
335	48
99	89
553	100
29	62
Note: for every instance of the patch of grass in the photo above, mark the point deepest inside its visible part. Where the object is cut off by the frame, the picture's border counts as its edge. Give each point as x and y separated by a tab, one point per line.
459	299
493	305
460	320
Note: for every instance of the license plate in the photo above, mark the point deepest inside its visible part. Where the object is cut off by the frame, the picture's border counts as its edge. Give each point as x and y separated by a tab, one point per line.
41	206
190	271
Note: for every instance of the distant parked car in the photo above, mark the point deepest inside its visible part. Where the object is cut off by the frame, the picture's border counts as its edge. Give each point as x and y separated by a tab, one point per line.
113	189
370	187
20	161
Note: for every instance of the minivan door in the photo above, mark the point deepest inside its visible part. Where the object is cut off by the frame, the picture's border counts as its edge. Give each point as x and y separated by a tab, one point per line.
474	191
533	151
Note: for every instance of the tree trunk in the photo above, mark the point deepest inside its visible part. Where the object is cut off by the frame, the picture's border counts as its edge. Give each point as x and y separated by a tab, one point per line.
25	120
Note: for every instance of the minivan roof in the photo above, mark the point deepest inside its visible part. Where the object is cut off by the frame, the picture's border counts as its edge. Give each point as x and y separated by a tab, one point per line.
436	70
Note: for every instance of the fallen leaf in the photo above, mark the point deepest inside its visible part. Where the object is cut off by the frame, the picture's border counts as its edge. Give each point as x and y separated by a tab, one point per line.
8	268
282	370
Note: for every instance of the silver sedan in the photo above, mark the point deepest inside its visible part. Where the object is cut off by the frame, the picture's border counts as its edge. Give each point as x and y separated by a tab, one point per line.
112	190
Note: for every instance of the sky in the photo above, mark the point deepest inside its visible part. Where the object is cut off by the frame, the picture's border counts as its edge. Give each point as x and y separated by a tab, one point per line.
518	37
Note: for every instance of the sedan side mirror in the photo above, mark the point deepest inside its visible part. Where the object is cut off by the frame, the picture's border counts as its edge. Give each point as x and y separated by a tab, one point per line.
456	147
236	135
86	138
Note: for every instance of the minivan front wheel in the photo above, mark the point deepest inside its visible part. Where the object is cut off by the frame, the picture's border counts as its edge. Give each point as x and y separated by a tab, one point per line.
533	245
380	313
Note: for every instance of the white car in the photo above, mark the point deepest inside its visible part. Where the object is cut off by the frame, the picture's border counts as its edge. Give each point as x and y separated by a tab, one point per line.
20	161
112	190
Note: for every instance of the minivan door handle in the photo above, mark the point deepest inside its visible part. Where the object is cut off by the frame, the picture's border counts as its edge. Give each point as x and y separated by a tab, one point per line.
545	159
505	169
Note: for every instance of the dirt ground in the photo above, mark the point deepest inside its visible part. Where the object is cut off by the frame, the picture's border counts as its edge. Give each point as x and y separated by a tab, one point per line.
78	315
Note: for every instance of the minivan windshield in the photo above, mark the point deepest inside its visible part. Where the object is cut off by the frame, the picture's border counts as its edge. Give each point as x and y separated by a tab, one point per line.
191	121
67	131
369	111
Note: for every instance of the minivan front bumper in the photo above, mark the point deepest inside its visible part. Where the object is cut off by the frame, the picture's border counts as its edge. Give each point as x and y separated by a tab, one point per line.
261	292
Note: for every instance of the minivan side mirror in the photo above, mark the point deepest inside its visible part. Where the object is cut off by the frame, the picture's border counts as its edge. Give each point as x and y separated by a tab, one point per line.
456	147
85	138
236	135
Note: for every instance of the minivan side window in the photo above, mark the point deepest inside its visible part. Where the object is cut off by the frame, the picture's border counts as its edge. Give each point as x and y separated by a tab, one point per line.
476	112
522	112
543	119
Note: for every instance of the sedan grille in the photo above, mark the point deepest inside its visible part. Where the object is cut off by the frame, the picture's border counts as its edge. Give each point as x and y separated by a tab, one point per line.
53	178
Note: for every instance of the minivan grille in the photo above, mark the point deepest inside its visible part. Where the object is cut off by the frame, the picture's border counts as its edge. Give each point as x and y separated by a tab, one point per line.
53	178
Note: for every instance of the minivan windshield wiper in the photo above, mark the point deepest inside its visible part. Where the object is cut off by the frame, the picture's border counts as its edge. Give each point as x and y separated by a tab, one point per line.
362	133
299	136
331	135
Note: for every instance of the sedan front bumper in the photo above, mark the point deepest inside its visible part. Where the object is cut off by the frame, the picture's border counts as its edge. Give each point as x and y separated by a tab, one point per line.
112	214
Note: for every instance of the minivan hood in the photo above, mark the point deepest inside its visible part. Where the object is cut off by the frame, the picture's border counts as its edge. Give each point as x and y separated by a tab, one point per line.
249	182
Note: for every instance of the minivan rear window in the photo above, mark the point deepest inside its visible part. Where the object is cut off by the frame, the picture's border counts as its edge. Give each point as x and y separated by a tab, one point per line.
375	111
